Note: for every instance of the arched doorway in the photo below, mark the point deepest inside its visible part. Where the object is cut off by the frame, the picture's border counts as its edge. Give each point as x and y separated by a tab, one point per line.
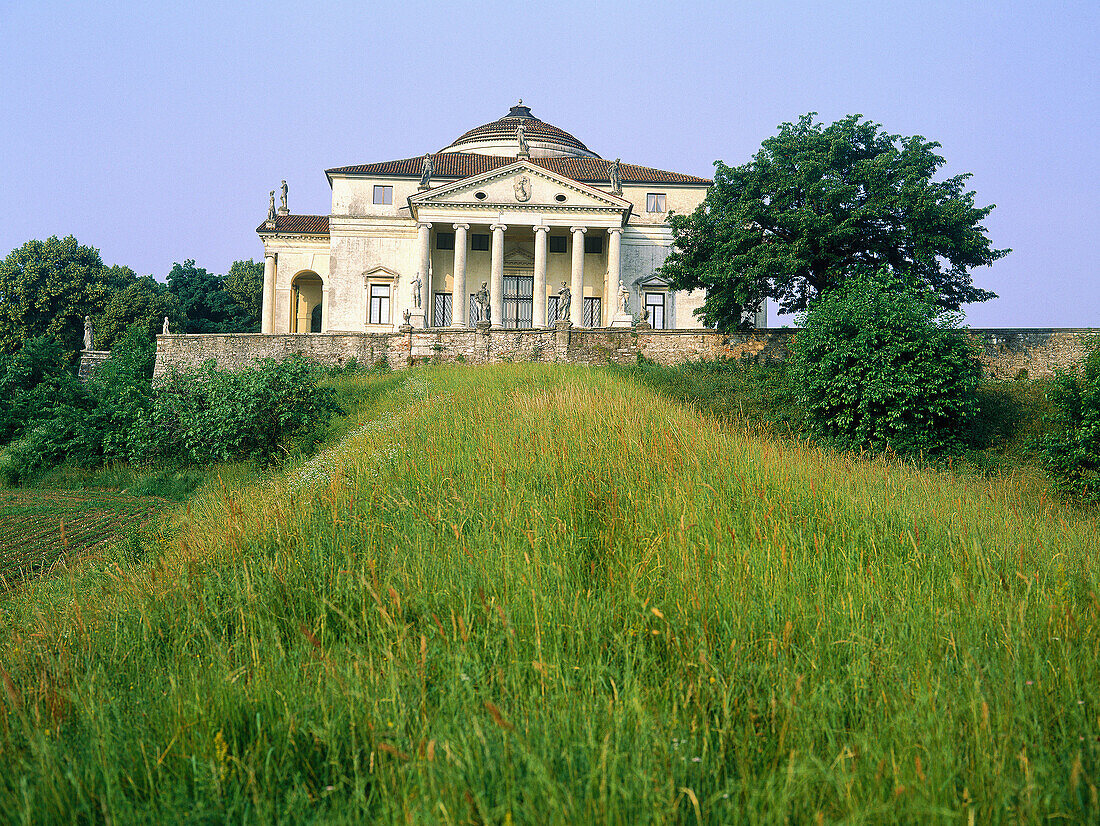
305	307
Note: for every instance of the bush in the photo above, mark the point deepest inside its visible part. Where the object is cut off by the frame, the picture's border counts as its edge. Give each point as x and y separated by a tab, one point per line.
211	415
1071	450
879	365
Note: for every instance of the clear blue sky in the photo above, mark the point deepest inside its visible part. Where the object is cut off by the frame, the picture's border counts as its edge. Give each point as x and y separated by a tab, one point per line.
154	131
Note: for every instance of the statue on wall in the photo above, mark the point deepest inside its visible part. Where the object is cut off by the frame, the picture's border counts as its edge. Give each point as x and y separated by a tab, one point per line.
416	291
164	329
271	206
89	339
282	202
616	175
426	170
624	296
565	297
481	297
521	136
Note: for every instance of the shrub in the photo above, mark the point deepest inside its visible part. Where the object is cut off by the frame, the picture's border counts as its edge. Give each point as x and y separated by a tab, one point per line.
878	364
1071	450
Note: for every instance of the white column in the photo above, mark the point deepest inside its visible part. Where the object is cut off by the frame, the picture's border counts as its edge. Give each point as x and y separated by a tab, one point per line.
459	299
496	275
267	314
423	237
576	301
614	274
538	316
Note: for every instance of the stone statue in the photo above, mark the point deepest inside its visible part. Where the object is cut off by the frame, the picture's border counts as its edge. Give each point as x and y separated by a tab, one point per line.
522	188
565	296
521	136
624	296
164	329
282	202
616	176
416	291
271	206
89	339
426	169
482	299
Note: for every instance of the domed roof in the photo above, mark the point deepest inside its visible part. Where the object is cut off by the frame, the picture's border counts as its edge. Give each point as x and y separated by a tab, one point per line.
499	137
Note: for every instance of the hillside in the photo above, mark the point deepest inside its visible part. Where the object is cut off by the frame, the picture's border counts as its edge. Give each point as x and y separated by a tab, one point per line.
547	594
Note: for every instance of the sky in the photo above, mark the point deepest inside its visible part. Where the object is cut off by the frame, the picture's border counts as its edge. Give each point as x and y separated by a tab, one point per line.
154	132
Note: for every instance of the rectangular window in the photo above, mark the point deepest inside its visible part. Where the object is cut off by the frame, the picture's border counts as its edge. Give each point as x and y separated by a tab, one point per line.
552	309
655	303
590	315
593	245
379	304
518	301
556	243
444	240
655	202
479	242
442	316
383	194
475	310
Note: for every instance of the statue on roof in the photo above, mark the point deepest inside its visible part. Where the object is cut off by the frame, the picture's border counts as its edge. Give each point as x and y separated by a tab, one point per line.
521	136
426	169
616	175
282	203
271	206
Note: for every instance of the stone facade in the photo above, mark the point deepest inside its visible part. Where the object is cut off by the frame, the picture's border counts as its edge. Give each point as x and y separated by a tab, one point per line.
1004	352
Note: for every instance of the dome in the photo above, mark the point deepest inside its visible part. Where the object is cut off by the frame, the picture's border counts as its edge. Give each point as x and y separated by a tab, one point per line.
499	138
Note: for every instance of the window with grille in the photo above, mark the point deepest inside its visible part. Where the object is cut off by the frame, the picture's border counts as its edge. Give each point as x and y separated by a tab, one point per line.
556	243
655	202
593	245
655	303
552	309
379	312
444	240
442	315
383	194
519	294
479	242
590	314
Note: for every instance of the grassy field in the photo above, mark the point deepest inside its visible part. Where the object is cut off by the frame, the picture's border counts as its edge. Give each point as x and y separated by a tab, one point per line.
531	594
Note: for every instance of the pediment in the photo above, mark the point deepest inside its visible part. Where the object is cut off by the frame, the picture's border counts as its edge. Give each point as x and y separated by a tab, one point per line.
521	185
519	257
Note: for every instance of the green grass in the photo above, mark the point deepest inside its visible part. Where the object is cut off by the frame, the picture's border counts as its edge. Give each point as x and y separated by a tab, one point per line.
539	594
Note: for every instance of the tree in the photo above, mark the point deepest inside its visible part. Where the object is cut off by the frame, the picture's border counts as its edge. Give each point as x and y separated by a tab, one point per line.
818	203
204	300
1071	450
47	287
144	302
244	282
879	363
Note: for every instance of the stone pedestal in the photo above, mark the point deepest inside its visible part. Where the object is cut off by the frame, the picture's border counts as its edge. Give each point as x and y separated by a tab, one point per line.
417	320
405	328
622	320
90	362
642	326
563	333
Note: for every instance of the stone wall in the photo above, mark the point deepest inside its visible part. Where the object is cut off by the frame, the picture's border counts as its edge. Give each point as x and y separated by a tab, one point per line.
1004	352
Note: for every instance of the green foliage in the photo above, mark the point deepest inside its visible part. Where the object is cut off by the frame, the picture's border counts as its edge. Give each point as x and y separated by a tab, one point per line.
47	287
145	302
879	365
244	284
211	415
1071	450
35	384
815	204
208	306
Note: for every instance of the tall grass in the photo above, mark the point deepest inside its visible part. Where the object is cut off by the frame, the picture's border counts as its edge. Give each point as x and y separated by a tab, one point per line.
536	594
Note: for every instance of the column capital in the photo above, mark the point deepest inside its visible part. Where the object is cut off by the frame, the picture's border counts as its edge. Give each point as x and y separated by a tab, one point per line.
495	227
541	228
423	224
614	229
578	229
460	226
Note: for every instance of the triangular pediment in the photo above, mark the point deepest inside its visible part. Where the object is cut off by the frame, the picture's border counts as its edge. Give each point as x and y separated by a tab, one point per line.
521	185
520	258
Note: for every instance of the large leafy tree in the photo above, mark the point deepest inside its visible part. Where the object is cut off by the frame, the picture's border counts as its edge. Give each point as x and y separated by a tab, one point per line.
144	302
47	287
818	203
208	307
244	282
